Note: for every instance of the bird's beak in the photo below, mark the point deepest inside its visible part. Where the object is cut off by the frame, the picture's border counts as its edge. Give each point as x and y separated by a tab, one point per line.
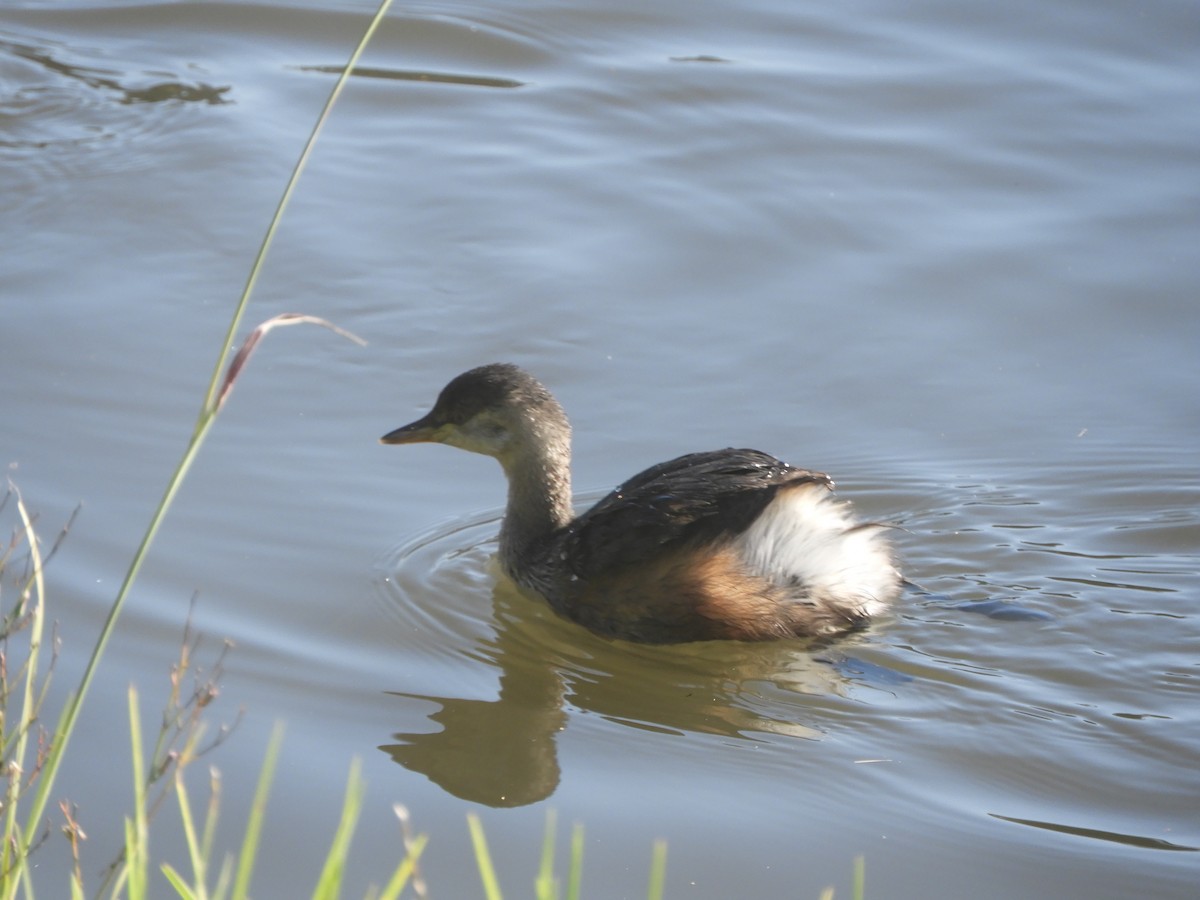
420	431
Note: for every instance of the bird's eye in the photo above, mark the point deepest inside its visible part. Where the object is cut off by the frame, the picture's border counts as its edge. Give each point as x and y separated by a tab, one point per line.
489	429
493	430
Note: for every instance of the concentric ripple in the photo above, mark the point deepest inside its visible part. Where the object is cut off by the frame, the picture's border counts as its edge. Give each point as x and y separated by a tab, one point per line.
64	108
439	583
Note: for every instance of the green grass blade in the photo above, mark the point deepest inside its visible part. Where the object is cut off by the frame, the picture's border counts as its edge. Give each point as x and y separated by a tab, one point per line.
860	878
195	851
211	816
330	882
134	875
224	879
258	809
544	885
404	871
62	737
658	871
16	843
177	882
575	873
487	873
137	837
204	422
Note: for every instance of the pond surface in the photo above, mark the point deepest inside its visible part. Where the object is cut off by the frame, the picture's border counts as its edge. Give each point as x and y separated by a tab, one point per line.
944	252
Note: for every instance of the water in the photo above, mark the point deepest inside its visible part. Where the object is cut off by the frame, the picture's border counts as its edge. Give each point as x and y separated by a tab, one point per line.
944	253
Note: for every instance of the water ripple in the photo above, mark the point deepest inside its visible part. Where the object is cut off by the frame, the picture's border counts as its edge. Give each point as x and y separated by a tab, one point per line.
65	95
437	584
65	110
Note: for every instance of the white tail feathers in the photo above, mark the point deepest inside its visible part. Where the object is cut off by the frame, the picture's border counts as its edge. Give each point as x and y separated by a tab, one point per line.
808	538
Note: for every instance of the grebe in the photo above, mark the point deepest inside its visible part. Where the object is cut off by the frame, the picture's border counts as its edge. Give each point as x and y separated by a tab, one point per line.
728	544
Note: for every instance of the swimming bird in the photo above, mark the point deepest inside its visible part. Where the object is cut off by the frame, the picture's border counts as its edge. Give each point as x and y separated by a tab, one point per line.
725	544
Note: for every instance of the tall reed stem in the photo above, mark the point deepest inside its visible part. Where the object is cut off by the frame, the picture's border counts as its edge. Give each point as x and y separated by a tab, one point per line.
204	421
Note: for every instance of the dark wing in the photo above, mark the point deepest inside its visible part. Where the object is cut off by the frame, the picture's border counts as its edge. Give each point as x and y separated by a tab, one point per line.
689	501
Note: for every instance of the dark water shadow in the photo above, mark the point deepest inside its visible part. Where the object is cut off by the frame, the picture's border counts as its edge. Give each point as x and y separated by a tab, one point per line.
1130	840
416	75
52	61
1001	609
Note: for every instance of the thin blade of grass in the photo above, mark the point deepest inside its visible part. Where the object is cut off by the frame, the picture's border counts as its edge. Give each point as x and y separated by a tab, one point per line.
177	882
195	851
483	859
544	885
32	601
62	737
330	881
258	810
26	881
860	878
132	875
204	422
575	873
212	814
410	843
404	871
658	871
137	838
224	878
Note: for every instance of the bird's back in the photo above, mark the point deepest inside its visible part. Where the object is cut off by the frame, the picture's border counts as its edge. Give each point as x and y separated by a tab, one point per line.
688	501
723	544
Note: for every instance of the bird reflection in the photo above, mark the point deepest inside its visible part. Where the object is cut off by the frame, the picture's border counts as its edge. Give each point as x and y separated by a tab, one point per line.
495	752
503	752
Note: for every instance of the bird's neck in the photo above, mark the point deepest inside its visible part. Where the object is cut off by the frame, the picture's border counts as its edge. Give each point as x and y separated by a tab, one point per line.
539	501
